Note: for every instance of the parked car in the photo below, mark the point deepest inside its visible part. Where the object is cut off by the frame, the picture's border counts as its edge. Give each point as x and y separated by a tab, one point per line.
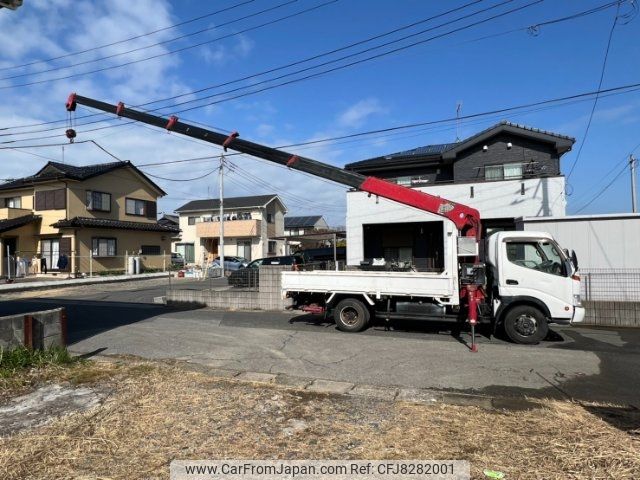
177	259
231	263
249	276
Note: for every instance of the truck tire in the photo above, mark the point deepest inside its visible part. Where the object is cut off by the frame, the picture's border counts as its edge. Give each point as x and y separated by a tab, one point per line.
526	325
351	315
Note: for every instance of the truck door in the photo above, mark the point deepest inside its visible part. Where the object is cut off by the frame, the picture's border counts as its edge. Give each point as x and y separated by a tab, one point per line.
536	268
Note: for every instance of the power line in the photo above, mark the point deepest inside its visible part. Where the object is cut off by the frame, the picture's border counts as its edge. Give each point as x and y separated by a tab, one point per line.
585	95
305	60
549	22
118	42
182	49
595	100
328	70
604	189
182	179
351	64
146	47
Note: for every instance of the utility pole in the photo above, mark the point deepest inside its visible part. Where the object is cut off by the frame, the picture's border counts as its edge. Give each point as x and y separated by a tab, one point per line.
634	197
221	241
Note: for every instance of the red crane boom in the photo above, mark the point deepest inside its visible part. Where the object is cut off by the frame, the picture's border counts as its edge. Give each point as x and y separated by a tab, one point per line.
466	219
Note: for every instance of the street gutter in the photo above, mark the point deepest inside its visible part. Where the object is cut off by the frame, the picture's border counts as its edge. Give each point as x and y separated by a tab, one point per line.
20	287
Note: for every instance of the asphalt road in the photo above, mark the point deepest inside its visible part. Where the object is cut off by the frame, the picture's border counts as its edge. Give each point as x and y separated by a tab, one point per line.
597	364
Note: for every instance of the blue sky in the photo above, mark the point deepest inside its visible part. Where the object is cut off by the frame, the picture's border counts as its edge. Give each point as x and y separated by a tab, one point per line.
418	84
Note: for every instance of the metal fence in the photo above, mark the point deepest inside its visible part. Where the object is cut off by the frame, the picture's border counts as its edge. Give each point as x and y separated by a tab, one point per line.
622	285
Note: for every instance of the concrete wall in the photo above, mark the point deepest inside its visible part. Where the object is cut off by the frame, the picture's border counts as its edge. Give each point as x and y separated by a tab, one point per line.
38	330
616	314
505	199
267	297
600	241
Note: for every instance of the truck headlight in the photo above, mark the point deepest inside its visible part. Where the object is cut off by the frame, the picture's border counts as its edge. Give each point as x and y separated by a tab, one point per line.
577	301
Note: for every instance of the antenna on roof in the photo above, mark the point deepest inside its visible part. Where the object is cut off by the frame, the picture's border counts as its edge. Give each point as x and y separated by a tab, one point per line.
458	111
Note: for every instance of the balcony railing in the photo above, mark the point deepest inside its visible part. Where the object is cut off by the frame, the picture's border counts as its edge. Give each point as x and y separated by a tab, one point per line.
233	228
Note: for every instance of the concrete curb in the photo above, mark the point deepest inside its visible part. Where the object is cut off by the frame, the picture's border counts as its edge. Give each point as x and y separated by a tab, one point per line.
375	392
20	287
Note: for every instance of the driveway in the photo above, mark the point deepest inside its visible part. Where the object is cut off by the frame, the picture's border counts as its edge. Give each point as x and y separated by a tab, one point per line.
594	364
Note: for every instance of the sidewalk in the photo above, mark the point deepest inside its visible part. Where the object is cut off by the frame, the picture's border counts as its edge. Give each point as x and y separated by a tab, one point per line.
38	284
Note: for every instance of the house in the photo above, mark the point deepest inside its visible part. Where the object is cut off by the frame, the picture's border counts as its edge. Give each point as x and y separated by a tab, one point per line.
172	221
506	171
250	227
93	215
297	227
304	225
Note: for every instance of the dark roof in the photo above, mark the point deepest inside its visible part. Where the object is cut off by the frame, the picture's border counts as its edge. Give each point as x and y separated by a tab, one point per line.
56	170
301	222
89	222
443	151
229	203
167	219
10	224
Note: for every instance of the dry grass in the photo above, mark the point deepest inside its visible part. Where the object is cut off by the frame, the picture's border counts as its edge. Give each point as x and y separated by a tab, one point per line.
160	412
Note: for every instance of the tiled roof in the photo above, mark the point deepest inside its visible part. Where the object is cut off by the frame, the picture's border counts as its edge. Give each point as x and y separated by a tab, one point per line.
56	170
301	222
229	203
10	224
167	219
88	222
436	151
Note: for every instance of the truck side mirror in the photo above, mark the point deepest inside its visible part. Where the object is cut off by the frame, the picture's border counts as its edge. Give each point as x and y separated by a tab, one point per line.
574	259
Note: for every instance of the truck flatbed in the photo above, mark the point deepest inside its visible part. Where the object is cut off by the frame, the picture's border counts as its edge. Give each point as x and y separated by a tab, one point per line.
373	283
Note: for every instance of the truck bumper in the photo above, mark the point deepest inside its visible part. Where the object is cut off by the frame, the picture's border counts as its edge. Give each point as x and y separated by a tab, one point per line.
578	315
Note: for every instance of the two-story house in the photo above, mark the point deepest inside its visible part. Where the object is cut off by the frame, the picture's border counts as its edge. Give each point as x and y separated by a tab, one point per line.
250	227
506	171
93	215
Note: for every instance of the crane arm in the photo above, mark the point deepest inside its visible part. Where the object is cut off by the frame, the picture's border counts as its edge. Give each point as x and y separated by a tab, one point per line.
466	219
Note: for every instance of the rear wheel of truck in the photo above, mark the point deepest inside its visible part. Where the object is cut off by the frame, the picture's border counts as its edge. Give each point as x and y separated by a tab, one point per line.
525	324
351	315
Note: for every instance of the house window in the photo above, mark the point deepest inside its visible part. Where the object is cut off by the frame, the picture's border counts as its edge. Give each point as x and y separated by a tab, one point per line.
103	247
269	217
13	202
150	249
493	172
187	250
513	170
272	246
191	220
51	199
503	172
98	201
50	252
404	181
141	208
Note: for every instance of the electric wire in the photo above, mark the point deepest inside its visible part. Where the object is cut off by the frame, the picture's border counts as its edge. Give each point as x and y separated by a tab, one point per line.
118	42
595	100
182	49
553	21
146	47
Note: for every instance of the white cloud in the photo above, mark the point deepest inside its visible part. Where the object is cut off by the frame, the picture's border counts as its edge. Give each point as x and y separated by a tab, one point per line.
357	114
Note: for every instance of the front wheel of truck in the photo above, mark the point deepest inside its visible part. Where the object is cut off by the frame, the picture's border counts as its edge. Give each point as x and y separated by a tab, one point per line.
526	325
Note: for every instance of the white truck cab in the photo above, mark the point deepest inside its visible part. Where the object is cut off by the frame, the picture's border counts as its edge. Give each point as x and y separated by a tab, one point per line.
528	271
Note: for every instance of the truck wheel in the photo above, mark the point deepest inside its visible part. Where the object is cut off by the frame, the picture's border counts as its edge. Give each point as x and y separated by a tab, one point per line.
351	315
526	325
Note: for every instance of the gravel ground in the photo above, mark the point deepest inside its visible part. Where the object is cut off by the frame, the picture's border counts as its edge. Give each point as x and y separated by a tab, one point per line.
156	412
